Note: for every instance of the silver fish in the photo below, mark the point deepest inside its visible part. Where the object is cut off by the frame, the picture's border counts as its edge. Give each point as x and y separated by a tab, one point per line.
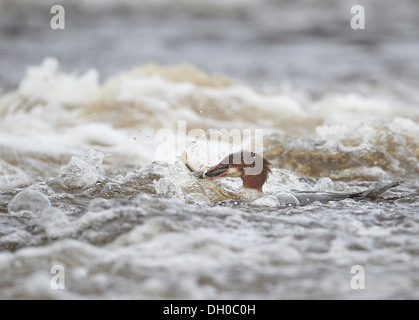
200	173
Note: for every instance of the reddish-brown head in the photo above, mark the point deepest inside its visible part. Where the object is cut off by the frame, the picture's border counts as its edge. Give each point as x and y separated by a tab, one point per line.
249	166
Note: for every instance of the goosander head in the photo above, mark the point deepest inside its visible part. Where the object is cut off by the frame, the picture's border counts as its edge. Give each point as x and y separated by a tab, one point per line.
252	168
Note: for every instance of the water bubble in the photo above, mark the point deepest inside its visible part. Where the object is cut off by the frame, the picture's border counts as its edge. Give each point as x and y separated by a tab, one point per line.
29	200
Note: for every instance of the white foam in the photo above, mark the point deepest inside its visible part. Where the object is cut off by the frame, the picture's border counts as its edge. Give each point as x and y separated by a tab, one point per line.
54	222
268	200
405	127
46	83
61	114
82	172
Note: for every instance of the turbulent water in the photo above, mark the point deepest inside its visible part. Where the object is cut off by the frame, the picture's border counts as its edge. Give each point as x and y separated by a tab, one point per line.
88	181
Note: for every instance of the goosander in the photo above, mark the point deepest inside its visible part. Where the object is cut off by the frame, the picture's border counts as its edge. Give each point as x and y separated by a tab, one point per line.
244	165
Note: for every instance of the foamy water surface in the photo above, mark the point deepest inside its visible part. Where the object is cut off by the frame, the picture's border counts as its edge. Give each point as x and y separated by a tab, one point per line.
86	182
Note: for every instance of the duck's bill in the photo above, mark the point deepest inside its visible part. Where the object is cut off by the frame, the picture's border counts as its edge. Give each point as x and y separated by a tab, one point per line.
218	171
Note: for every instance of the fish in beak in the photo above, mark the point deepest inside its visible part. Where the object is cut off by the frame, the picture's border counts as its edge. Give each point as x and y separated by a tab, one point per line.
221	170
218	171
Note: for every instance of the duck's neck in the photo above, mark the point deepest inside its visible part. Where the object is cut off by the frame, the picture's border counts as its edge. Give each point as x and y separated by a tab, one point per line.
254	182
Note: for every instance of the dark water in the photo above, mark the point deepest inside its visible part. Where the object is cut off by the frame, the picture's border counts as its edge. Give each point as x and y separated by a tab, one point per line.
307	44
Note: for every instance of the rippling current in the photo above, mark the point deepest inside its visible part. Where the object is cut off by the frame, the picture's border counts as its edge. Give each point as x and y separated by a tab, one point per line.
84	183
